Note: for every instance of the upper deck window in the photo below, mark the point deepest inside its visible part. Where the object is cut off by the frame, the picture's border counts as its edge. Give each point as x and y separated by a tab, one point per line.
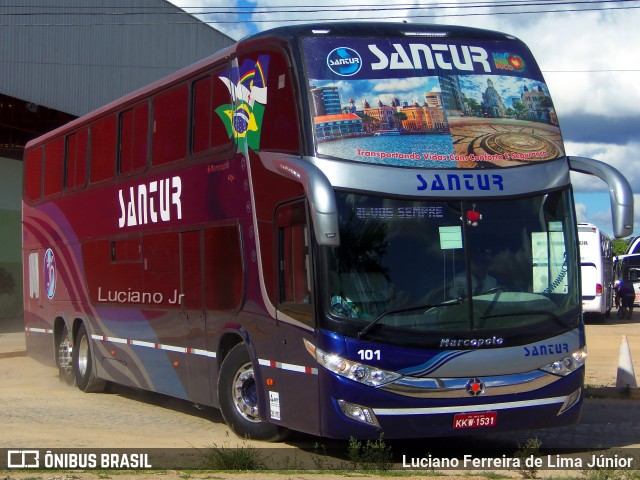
170	115
209	131
33	174
134	139
103	149
54	166
76	164
280	126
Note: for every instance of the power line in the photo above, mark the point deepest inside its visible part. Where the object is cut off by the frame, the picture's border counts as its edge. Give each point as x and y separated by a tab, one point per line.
360	8
201	10
245	10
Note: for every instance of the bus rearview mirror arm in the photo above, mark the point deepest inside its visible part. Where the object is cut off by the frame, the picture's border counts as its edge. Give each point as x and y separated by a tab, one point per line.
319	191
620	192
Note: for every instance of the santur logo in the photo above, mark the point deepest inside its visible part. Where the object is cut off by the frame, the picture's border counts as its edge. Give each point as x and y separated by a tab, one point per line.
344	61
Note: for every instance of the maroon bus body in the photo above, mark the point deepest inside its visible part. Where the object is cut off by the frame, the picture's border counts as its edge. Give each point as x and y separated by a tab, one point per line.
153	247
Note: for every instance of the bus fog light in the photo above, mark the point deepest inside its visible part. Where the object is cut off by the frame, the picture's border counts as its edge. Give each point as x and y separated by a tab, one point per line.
358	412
570	401
568	364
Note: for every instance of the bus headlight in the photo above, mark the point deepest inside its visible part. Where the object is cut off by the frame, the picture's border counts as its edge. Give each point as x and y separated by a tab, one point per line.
568	364
359	372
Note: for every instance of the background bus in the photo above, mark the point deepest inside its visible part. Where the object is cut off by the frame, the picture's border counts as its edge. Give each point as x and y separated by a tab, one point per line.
596	259
238	235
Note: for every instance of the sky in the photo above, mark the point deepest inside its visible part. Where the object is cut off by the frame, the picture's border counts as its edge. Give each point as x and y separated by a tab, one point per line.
588	51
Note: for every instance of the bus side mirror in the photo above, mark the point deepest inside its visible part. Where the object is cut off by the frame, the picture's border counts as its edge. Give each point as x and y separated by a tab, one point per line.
620	192
319	191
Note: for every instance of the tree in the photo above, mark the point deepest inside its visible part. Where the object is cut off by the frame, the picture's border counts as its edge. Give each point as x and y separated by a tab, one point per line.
521	109
620	246
474	107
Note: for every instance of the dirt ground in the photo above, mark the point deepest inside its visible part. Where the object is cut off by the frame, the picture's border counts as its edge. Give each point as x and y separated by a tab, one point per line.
34	413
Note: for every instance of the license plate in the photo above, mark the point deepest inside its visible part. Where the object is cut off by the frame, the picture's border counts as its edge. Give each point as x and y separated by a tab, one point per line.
475	420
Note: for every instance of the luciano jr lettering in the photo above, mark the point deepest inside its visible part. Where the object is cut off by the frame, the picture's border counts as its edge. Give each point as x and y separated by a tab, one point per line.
157	201
135	296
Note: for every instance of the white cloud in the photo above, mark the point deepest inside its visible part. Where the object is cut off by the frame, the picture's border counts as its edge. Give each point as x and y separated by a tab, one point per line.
569	46
625	158
601	215
581	213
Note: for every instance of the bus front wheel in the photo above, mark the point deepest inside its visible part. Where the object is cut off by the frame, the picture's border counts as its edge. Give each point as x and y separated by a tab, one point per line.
238	397
86	378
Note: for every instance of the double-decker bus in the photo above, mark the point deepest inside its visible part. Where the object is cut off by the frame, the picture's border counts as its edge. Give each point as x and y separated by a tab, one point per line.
596	257
340	229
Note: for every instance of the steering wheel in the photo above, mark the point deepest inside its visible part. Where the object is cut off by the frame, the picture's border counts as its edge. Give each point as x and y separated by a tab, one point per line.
344	307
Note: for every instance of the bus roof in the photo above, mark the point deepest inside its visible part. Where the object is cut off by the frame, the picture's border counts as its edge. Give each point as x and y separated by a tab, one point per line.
385	29
631	260
286	34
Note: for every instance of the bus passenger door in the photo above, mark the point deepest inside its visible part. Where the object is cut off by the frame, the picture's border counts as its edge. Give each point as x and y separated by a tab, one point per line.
192	308
298	396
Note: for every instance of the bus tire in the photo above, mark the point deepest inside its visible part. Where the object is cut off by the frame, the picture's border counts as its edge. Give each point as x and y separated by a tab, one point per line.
64	357
238	397
86	378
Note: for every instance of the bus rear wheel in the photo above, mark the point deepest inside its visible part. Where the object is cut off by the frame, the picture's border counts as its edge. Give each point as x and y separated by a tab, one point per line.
86	378
64	354
238	397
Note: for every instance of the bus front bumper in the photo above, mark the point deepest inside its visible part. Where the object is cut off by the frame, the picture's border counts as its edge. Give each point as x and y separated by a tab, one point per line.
361	412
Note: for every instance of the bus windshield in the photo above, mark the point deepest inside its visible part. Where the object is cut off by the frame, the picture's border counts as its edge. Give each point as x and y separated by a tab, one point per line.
434	266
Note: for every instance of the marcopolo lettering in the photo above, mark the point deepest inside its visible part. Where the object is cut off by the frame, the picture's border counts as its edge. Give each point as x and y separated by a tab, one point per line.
471	342
456	182
157	201
445	57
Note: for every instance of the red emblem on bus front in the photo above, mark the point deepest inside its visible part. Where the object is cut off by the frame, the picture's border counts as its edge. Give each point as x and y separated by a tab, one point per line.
475	387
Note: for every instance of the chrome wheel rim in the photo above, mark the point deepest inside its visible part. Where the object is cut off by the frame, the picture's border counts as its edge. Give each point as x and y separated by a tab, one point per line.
245	393
65	353
83	355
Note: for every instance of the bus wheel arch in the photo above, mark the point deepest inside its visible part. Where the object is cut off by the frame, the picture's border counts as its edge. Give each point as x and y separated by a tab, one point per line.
63	350
84	361
238	397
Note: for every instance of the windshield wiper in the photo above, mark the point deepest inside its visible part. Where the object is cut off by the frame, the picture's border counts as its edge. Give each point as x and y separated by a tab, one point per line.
370	325
557	318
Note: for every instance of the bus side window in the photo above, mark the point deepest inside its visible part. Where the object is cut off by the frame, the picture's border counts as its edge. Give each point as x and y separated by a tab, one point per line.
170	110
294	262
280	125
103	149
134	139
224	268
208	131
201	133
161	268
33	174
76	160
54	166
